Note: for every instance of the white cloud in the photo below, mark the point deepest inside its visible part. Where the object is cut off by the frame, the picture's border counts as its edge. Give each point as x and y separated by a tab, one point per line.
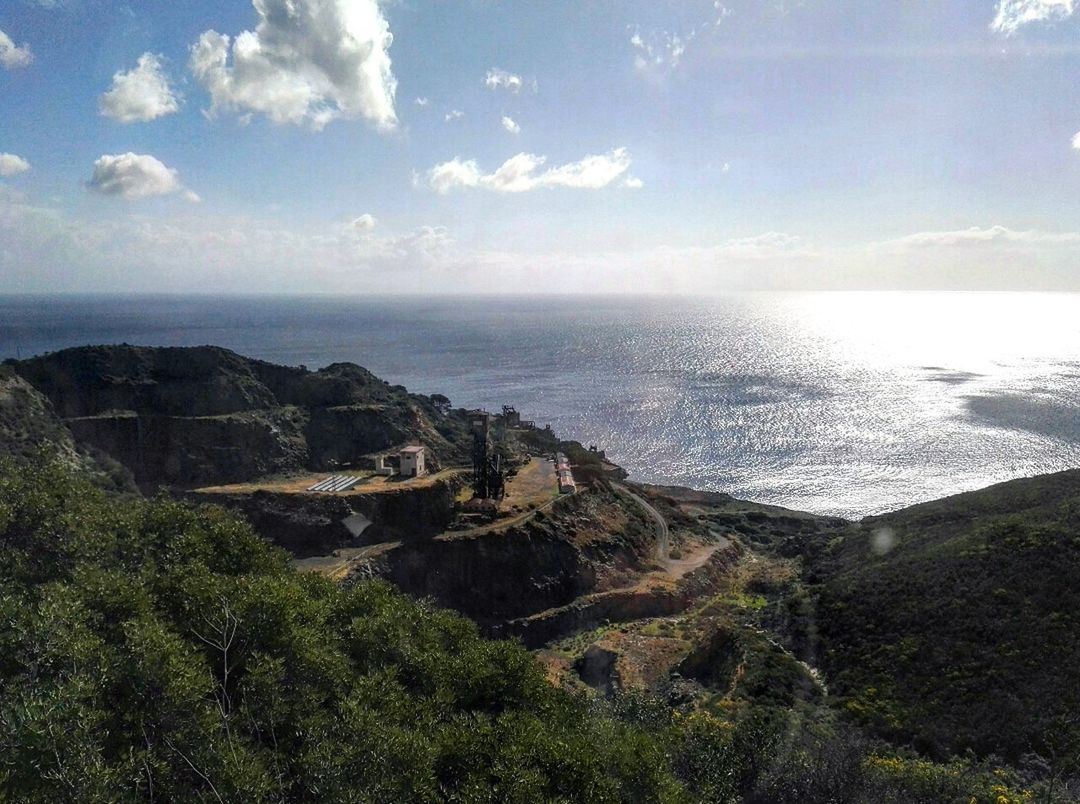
43	248
633	183
722	11
1076	141
141	94
455	173
1014	14
307	61
509	124
501	79
421	101
454	114
12	165
12	55
660	52
977	236
49	249
134	176
520	173
364	223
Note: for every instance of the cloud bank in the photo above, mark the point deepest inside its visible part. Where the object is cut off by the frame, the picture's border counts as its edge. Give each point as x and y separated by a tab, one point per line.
520	174
307	61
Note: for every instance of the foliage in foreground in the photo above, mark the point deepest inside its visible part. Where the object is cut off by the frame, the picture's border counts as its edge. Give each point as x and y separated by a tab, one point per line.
151	651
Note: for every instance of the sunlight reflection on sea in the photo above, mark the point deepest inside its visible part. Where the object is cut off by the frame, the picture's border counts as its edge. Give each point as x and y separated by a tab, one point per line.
842	403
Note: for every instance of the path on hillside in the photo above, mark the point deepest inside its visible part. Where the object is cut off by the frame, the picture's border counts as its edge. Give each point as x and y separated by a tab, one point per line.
663	533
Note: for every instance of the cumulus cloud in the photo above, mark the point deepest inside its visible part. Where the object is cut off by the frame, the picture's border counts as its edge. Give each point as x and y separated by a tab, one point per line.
1013	14
1076	141
509	124
421	101
454	114
12	165
521	173
307	61
134	176
364	223
141	94
12	55
501	79
633	183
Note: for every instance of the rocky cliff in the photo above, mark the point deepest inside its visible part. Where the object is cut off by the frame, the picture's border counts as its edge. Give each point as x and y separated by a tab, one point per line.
194	416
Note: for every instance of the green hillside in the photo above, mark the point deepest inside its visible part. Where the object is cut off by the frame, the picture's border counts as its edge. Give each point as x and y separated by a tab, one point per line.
152	651
956	623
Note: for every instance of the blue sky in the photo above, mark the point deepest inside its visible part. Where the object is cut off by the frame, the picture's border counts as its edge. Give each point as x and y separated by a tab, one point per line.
472	145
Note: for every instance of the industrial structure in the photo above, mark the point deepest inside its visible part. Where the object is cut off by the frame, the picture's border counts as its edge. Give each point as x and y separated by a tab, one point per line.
489	479
566	476
335	483
411	461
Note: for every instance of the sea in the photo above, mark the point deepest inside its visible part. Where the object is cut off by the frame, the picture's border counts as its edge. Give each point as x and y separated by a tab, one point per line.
845	404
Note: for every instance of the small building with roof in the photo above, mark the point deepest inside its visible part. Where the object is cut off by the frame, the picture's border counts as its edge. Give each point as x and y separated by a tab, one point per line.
411	461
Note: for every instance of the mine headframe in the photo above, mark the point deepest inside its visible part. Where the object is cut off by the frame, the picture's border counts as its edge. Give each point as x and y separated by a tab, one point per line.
488	476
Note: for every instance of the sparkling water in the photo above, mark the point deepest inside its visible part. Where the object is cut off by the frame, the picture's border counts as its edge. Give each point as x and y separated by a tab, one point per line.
838	403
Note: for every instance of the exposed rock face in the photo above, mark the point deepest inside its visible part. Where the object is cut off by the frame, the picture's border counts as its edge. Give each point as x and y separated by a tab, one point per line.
28	420
549	561
312	525
621	605
204	415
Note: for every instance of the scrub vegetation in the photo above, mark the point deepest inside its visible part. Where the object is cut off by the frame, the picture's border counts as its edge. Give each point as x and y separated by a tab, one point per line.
150	650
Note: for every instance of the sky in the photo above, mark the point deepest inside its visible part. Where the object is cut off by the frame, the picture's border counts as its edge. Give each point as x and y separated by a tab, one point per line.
600	146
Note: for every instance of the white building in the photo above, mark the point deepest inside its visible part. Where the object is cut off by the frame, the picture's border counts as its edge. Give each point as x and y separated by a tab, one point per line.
412	461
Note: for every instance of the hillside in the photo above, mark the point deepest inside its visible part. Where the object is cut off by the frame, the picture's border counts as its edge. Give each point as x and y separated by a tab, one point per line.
28	420
155	651
200	415
955	623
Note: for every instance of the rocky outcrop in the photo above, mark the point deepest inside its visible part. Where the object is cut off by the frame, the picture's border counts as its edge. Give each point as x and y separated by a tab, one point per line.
28	420
622	605
574	548
313	525
204	415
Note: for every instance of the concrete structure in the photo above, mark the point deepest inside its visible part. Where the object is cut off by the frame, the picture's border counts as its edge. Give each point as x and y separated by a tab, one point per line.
412	461
334	484
566	477
382	467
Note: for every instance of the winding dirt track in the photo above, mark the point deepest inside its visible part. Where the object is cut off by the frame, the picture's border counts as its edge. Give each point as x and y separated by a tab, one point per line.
663	534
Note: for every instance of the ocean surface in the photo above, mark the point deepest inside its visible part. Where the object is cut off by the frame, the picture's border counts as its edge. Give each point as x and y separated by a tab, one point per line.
837	403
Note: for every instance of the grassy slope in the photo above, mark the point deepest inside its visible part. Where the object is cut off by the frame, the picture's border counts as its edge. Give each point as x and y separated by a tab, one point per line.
966	634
